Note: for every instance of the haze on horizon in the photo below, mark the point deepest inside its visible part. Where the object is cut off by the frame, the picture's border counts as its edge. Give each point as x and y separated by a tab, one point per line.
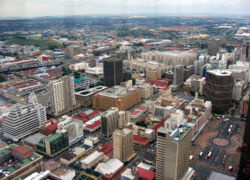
37	8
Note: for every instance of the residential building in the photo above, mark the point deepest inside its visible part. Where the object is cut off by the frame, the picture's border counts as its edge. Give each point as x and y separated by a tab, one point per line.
53	144
112	72
218	89
62	95
109	121
198	84
117	96
24	119
123	144
172	155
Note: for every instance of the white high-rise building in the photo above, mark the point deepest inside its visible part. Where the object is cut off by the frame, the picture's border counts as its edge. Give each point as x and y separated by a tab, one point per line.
57	96
73	126
62	94
24	119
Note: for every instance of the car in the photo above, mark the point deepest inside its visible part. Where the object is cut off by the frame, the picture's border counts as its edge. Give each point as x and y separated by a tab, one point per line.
200	155
209	154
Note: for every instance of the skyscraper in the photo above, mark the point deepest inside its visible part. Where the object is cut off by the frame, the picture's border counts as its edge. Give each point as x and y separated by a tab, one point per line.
178	76
62	94
69	92
123	144
246	51
218	89
112	71
172	155
24	119
110	121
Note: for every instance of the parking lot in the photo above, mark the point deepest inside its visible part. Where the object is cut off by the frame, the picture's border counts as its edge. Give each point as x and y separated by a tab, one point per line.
218	147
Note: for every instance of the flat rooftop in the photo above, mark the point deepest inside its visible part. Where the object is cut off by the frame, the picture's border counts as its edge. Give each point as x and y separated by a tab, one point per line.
116	91
91	91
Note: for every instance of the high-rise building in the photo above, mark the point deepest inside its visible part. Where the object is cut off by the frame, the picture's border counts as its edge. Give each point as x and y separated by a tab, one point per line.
73	126
123	144
218	89
244	173
246	51
62	94
112	71
178	76
172	155
110	121
69	92
56	96
24	119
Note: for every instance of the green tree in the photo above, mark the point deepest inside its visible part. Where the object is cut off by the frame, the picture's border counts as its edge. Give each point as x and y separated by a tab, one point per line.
133	81
142	124
77	75
91	85
2	78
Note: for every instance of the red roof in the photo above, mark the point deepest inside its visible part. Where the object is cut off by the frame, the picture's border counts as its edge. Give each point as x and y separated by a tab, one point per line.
107	149
134	112
166	88
94	125
145	174
142	107
22	151
52	127
85	117
140	139
157	126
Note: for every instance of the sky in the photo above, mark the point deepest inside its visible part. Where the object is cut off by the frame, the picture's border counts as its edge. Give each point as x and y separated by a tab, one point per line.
37	8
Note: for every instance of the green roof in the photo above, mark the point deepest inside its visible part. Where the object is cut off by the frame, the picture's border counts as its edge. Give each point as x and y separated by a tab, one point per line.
6	150
53	137
11	169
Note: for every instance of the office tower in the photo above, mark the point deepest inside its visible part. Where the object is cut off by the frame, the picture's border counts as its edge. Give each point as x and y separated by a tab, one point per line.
62	95
178	76
110	121
172	155
69	92
24	119
218	89
73	50
53	144
213	46
244	173
112	72
246	51
123	144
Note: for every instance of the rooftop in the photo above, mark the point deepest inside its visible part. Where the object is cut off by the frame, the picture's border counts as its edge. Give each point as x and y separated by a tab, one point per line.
35	138
220	72
116	91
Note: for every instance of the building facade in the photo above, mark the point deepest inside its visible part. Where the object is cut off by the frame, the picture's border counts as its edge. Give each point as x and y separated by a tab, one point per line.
218	89
24	119
112	72
172	155
110	121
123	144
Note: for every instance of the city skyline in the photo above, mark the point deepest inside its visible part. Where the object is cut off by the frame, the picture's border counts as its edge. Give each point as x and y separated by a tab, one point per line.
35	8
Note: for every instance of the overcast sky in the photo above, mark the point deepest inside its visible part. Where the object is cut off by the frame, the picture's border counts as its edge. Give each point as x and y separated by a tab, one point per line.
34	8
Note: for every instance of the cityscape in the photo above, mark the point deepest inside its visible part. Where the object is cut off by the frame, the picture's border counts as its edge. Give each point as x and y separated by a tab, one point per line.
129	96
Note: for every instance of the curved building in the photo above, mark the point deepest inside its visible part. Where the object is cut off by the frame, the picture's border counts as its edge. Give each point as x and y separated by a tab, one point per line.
218	89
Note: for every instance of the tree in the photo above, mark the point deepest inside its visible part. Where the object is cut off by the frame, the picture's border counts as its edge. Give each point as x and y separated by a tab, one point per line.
2	78
91	85
99	83
77	75
142	124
